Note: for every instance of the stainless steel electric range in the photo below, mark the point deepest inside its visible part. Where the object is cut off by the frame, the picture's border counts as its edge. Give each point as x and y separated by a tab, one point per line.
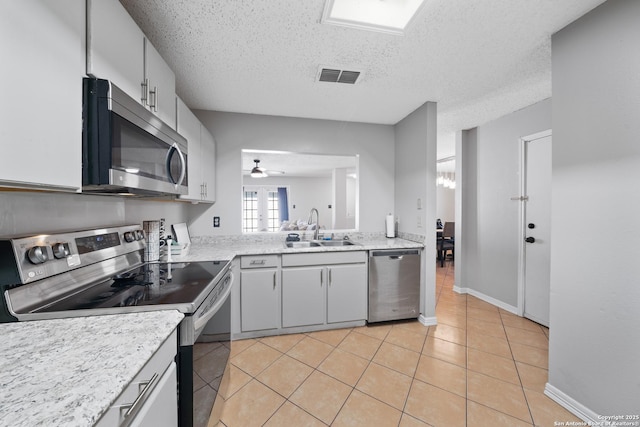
100	271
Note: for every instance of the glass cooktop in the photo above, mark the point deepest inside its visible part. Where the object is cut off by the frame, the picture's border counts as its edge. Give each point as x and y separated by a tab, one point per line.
149	284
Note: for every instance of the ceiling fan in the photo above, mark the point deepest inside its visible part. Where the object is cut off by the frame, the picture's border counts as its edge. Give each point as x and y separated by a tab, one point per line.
260	172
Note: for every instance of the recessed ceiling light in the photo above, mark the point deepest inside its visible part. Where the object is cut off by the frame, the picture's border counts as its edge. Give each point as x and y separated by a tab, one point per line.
387	16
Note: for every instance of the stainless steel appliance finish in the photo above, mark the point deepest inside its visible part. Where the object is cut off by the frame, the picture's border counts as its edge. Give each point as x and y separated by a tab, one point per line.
127	149
394	285
101	271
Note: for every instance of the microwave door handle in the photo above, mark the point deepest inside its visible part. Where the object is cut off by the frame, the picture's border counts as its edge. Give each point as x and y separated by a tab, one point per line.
183	166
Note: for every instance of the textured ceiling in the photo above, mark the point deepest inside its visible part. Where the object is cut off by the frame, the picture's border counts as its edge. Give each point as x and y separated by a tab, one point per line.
478	59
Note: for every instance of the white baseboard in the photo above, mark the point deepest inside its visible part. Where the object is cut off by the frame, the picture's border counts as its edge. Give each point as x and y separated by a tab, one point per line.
427	321
573	406
486	298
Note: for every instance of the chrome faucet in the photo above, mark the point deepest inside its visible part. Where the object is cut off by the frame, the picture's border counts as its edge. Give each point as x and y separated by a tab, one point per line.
309	221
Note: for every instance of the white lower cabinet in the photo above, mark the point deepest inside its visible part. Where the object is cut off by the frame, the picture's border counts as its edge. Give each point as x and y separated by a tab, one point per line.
259	300
347	293
323	288
151	398
303	296
160	409
301	292
259	293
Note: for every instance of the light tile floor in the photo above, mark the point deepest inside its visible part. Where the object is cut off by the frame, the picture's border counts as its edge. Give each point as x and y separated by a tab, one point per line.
480	366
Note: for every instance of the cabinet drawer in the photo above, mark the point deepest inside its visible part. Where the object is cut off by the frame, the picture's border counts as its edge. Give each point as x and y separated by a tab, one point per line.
259	261
341	257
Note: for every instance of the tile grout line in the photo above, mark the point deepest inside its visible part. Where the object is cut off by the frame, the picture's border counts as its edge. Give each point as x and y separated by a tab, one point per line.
533	422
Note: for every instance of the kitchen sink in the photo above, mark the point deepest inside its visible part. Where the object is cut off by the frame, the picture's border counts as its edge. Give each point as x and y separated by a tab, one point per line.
302	244
336	243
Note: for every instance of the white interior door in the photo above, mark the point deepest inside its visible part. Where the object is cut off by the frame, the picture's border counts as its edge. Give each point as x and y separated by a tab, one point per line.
537	227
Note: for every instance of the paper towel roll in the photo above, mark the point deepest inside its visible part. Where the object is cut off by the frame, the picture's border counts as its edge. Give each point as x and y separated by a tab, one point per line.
390	226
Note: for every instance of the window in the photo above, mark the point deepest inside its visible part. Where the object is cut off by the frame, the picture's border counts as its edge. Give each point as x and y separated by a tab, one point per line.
250	211
263	208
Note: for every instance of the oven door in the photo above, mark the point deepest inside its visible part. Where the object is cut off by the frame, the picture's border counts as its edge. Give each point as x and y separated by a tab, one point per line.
192	326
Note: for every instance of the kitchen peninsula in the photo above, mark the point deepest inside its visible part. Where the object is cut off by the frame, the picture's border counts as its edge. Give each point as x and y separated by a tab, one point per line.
71	371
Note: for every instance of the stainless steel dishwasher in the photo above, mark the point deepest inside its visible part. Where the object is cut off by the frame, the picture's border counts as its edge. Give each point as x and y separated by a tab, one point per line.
394	284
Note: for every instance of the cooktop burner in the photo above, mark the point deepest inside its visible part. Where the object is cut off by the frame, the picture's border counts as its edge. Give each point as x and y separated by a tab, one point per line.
149	284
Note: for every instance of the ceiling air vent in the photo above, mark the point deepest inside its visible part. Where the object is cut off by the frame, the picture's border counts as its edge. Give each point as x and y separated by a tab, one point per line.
338	76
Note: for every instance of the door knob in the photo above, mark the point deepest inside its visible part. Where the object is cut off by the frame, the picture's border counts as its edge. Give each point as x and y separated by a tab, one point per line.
530	240
531	225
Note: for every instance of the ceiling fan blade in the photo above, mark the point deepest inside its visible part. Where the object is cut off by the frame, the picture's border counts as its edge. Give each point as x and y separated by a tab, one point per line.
272	172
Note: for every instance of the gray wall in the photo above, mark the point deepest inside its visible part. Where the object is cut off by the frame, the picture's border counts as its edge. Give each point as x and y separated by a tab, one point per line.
415	178
234	131
595	268
33	212
488	244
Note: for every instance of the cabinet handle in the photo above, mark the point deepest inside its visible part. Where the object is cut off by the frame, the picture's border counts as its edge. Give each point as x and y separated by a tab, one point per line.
321	278
153	97
257	262
145	92
274	280
142	397
329	276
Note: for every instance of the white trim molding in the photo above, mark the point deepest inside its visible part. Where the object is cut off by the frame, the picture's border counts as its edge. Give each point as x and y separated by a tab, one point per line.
486	298
522	231
573	406
428	321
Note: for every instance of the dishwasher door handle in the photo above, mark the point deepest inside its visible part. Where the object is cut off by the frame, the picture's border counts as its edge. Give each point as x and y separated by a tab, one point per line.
398	257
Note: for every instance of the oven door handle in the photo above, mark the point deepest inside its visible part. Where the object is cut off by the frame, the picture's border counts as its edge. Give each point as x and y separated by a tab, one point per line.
202	321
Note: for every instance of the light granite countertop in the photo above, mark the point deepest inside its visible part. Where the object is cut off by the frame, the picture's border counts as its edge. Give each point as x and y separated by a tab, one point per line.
225	250
68	372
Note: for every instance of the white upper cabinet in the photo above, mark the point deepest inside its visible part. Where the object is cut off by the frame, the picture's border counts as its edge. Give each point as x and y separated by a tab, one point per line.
115	46
160	82
117	50
43	62
201	157
188	125
208	165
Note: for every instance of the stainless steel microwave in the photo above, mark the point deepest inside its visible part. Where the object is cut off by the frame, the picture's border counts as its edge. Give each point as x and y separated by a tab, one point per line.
125	148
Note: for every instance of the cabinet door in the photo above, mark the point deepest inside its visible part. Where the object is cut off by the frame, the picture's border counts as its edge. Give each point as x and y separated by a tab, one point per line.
43	62
347	293
161	408
259	308
115	46
188	125
208	165
161	85
303	296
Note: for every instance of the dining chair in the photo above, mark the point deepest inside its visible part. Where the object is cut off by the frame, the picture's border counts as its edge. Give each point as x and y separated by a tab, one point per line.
446	242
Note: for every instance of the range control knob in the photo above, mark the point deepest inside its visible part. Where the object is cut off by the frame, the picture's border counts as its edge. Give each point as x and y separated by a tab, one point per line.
38	254
139	235
60	250
129	236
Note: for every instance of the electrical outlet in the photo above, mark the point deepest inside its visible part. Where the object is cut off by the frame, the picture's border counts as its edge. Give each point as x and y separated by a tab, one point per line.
419	221
216	221
419	203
